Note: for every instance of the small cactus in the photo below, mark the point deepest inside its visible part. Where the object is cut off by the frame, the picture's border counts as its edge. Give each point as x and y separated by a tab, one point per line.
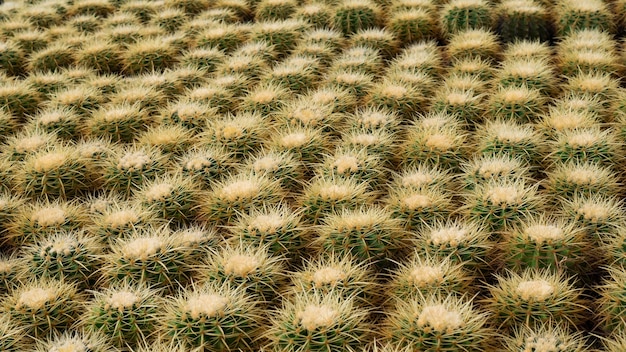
354	15
474	43
567	180
128	168
13	339
523	20
550	336
76	341
171	197
571	15
461	15
419	207
323	196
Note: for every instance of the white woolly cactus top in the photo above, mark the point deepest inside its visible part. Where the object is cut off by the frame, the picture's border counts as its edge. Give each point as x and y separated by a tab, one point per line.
121	218
240	189
511	133
345	164
524	6
134	161
62	245
490	167
49	161
268	223
294	140
417	201
544	233
208	305
267	163
536	290
49	216
440	318
452	235
465	3
314	316
36	298
526	68
594	211
121	300
457	97
584	6
328	275
241	264
30	144
439	141
423	275
142	247
584	138
505	195
159	191
69	346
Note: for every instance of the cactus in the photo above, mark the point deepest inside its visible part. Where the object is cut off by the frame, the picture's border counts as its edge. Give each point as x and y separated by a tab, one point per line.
204	58
461	15
509	138
129	167
238	193
47	83
324	196
170	197
318	322
51	58
124	314
472	67
434	139
466	104
534	73
275	10
27	143
213	317
13	339
102	56
197	240
423	275
423	56
474	43
396	95
322	53
546	243
191	114
170	140
206	164
296	73
567	180
306	144
83	100
611	301
359	59
571	15
559	120
412	25
550	336
353	15
55	172
282	35
436	322
150	257
69	257
11	275
275	227
191	7
418	207
266	99
575	60
378	39
354	164
368	234
331	37
596	84
170	19
75	341
523	20
356	83
501	204
239	134
280	166
482	169
35	220
585	145
516	103
43	307
372	119
599	214
377	143
147	56
344	276
247	266
30	41
92	7
422	176
616	343
61	121
11	58
117	219
19	97
535	297
316	14
527	48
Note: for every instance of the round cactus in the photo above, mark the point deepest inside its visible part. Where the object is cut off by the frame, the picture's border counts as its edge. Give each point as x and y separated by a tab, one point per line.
128	168
43	307
323	196
265	99
244	265
585	145
353	15
396	95
533	73
472	67
368	234
206	164
11	58
425	275
413	25
317	322
535	297
354	164
11	275
516	103
599	214
545	243
238	193
215	317
13	339
296	73
461	15
152	257
279	166
316	14
361	59
117	219
571	15
35	220
191	114
51	58
372	119
500	204
436	322
416	207
497	167
239	134
422	176
523	20
172	197
306	144
69	257
474	43
122	313
170	140
282	35
272	10
19	97
343	275
465	104
550	336
572	178
147	56
61	121
76	341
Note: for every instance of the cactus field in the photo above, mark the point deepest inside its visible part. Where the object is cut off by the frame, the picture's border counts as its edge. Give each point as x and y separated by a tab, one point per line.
312	175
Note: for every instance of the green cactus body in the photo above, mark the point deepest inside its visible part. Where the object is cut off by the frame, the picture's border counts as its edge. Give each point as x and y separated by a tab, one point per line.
461	15
523	20
354	15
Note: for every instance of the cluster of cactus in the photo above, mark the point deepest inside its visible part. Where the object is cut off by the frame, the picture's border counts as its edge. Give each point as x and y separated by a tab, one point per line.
282	175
